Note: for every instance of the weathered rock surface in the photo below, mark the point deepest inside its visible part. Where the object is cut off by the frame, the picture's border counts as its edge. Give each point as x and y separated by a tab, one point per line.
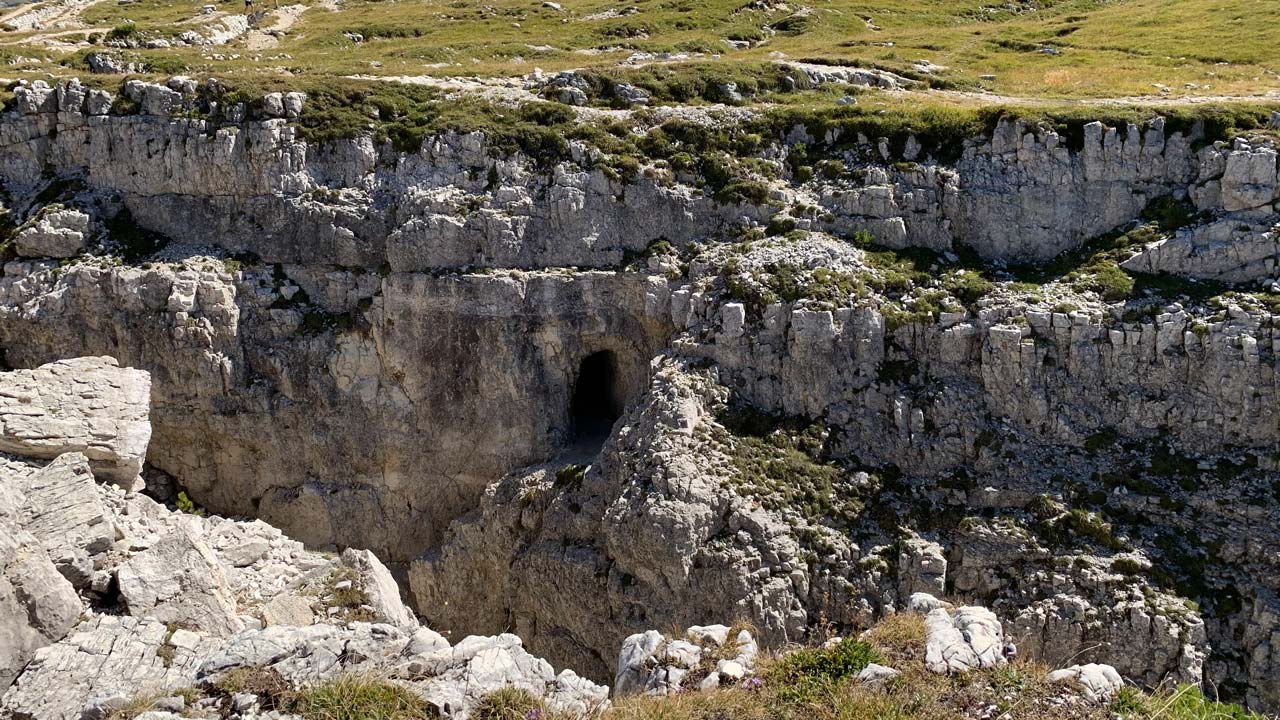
63	510
87	405
343	381
968	638
37	605
380	588
1098	683
105	656
57	234
706	657
179	582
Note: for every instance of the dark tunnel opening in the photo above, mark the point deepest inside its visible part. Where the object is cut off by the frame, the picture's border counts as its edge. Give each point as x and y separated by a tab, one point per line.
597	400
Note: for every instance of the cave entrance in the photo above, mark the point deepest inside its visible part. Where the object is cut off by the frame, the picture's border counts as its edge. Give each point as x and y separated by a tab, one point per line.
597	397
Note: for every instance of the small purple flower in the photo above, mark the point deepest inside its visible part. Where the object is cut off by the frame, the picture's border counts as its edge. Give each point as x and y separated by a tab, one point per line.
534	714
754	683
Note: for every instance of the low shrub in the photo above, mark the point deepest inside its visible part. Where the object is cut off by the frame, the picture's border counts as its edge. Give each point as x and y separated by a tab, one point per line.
809	674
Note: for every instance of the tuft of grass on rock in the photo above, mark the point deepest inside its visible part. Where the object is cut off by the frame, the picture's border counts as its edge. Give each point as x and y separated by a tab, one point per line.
809	674
360	697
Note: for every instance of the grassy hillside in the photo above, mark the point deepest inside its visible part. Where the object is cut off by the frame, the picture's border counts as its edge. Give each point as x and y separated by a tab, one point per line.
1025	48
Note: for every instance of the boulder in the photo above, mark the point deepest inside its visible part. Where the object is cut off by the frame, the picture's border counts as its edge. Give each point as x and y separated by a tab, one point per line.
1096	682
381	589
63	510
875	674
89	405
967	639
56	234
179	581
287	610
37	605
652	663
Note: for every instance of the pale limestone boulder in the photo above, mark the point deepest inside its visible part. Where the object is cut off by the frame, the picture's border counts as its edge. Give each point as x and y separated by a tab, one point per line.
57	234
63	509
107	656
287	610
89	405
381	589
457	678
37	605
655	664
1096	682
969	638
875	674
179	581
635	662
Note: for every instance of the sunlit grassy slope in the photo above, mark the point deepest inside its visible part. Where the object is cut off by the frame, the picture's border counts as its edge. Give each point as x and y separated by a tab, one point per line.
1046	48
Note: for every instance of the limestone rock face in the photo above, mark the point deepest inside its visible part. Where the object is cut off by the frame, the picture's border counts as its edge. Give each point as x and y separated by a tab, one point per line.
574	547
107	655
87	405
922	568
1020	194
250	432
179	581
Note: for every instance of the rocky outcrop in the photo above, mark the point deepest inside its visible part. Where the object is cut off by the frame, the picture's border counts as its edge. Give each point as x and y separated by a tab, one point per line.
87	405
57	234
1098	683
179	581
705	658
173	601
968	638
355	343
105	657
1021	194
37	605
111	657
650	534
380	589
62	508
452	678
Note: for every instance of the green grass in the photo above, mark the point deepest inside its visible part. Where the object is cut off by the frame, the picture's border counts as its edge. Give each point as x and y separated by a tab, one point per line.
783	462
357	697
809	674
1104	48
510	703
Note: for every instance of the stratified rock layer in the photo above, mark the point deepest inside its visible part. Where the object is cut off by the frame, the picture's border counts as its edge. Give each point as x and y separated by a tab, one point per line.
86	405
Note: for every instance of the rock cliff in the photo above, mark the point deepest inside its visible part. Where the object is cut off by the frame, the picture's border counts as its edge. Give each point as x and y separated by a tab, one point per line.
825	401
